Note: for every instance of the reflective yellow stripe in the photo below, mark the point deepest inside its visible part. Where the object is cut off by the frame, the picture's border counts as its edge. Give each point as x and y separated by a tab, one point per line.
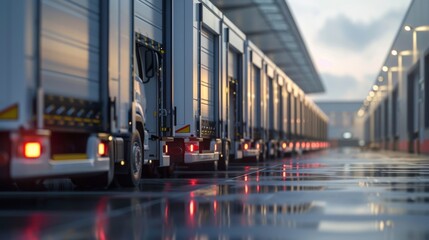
10	113
185	129
72	156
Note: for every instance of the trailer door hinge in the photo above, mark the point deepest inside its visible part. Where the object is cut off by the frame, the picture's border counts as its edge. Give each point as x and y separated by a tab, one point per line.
163	112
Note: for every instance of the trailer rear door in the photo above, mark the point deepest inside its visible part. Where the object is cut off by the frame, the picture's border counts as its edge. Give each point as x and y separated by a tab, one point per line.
235	83
256	108
70	63
208	76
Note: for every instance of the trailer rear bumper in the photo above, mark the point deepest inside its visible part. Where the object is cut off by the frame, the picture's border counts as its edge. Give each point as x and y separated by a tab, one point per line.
201	157
286	150
96	159
25	168
251	153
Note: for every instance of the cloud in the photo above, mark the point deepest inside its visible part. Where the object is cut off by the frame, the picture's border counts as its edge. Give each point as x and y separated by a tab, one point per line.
342	32
341	87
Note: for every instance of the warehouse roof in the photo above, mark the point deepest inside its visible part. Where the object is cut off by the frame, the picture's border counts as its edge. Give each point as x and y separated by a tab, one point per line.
270	25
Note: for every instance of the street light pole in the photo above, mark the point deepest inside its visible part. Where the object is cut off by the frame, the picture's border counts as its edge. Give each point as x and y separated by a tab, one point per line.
399	67
414	30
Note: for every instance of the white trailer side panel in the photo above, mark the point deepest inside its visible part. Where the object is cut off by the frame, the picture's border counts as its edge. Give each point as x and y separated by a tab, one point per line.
120	56
183	62
196	44
253	97
17	63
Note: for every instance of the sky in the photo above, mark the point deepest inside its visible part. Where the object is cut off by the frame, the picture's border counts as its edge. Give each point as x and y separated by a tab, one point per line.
348	41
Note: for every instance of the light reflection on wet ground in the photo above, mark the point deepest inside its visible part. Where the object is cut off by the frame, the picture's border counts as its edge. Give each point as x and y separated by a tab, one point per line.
326	195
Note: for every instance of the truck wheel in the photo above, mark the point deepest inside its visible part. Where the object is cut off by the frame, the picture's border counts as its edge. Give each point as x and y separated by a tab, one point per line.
135	162
224	160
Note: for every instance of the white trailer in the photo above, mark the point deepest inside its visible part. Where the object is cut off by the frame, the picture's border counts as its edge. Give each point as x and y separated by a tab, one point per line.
232	91
254	99
70	102
196	46
272	113
284	113
53	91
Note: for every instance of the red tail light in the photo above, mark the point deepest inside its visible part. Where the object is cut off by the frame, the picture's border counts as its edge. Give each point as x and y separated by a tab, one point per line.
32	149
192	147
246	146
165	149
298	145
284	145
103	150
257	146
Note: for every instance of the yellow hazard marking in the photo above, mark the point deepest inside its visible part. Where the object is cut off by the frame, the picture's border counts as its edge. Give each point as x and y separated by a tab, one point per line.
72	156
185	129
10	113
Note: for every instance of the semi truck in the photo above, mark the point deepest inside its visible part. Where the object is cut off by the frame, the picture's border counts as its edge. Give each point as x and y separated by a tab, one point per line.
82	89
101	90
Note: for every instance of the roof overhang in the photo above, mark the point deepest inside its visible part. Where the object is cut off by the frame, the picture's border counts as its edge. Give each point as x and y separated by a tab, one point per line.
269	24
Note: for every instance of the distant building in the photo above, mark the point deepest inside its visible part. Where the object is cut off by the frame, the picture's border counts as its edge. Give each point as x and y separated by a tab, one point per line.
343	129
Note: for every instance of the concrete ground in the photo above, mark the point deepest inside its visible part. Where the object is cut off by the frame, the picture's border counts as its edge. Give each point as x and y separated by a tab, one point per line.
334	194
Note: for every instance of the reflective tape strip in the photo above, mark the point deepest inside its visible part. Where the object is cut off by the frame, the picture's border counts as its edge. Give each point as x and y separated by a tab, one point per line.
10	113
185	129
74	156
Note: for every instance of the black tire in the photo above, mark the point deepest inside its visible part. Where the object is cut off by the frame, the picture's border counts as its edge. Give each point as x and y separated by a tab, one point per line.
135	162
224	160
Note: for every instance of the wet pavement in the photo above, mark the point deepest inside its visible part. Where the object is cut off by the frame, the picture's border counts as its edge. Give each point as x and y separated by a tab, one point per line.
335	194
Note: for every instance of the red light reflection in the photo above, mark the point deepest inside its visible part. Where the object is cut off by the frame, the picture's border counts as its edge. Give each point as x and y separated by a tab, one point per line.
166	212
32	231
215	206
101	219
193	182
192	208
284	171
